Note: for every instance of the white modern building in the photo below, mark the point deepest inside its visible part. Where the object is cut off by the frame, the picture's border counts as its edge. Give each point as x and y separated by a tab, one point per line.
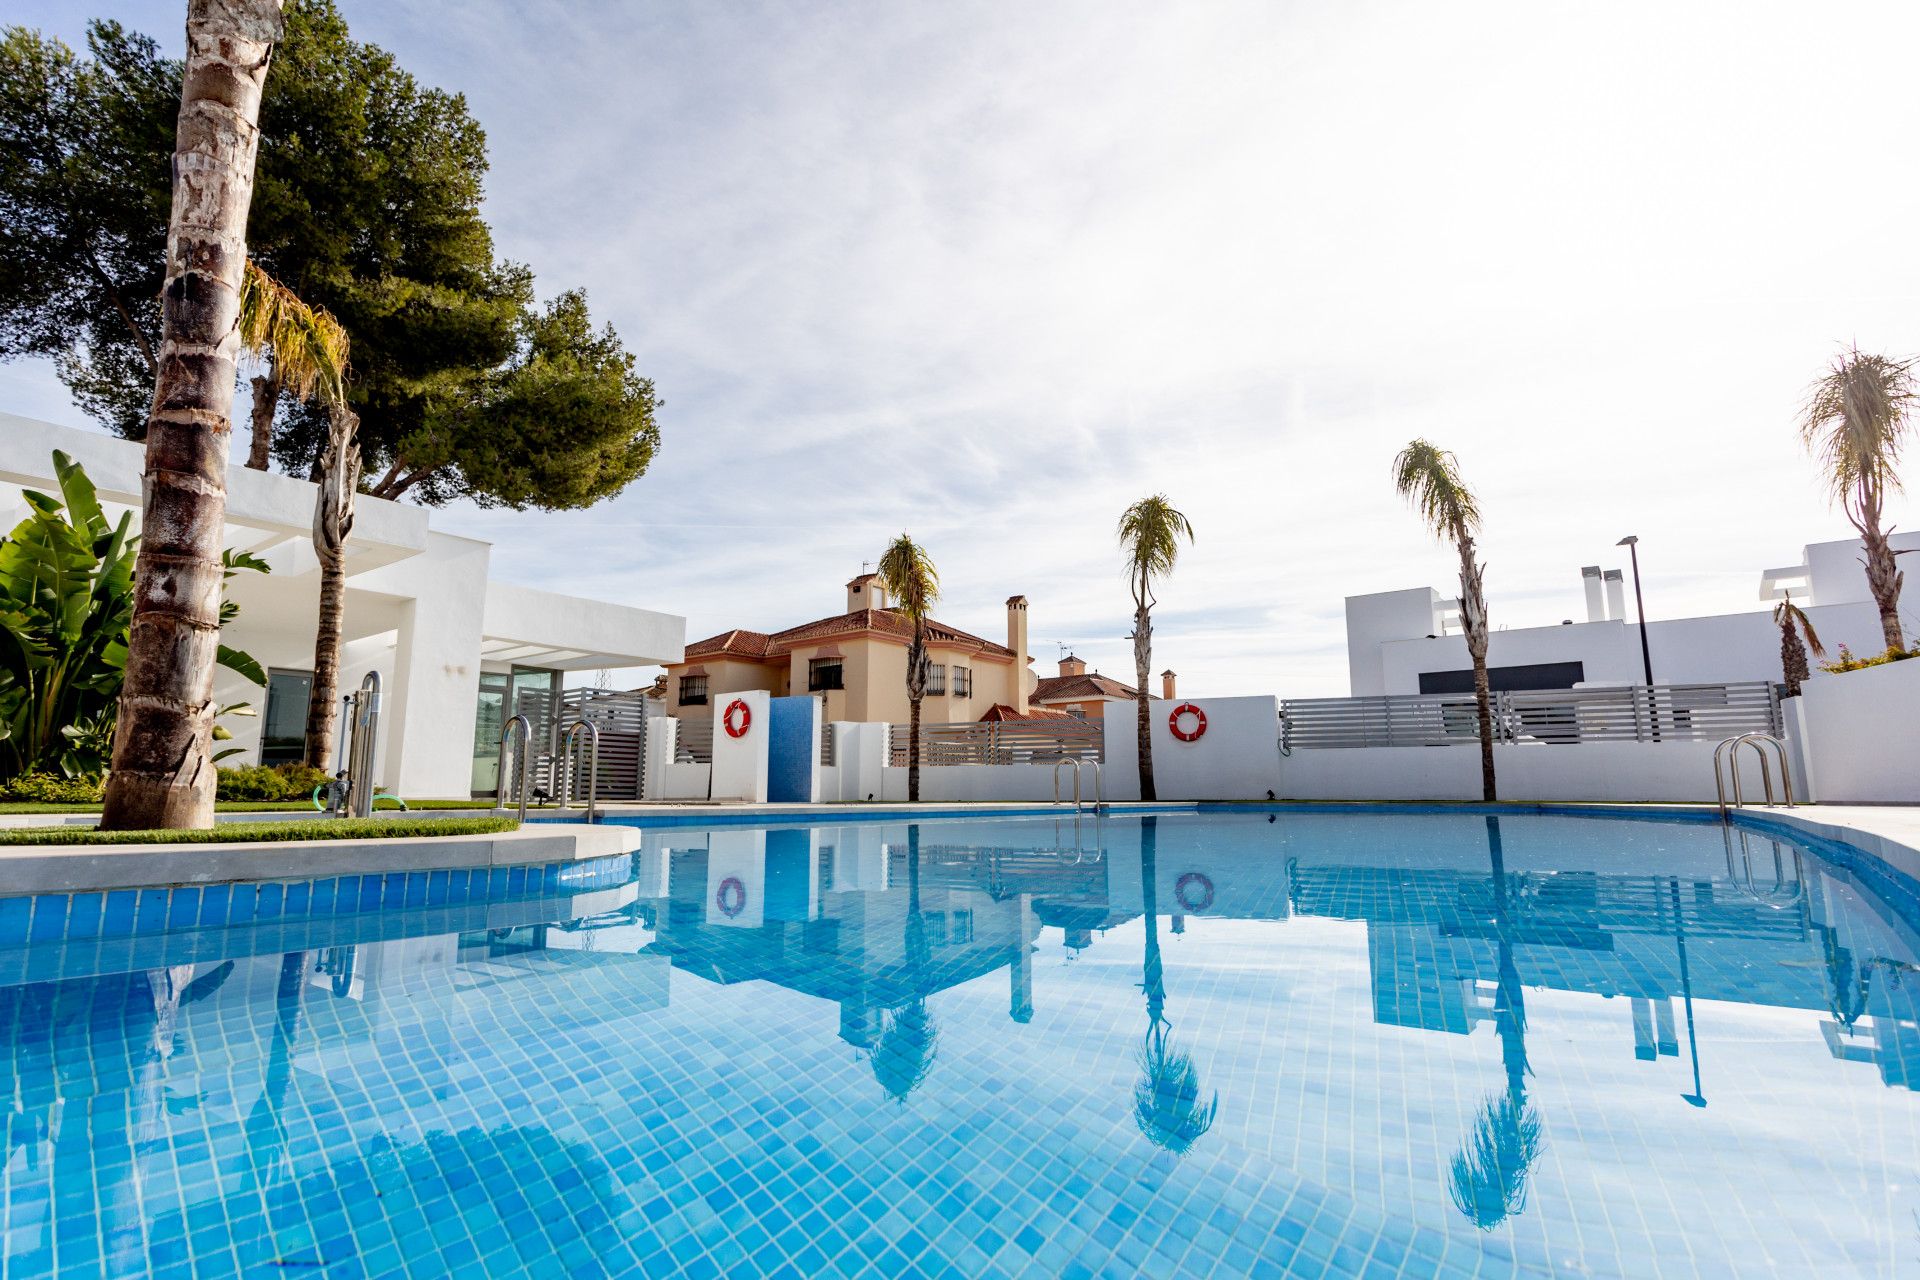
1410	641
452	647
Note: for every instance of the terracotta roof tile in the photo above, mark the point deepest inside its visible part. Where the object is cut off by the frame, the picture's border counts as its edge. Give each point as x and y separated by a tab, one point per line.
1001	712
752	645
1092	685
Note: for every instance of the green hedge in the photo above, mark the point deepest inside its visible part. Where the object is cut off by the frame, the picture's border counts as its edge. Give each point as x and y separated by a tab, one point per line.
382	827
49	789
263	782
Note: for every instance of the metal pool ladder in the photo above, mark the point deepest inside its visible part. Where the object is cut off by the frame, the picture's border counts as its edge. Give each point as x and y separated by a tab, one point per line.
1099	790
509	786
1729	752
568	751
1784	893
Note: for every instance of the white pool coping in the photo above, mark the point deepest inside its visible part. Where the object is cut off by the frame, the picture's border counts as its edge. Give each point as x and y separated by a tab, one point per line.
33	869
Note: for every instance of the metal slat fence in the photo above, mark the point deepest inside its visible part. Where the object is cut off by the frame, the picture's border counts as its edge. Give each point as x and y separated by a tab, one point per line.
621	718
1667	712
1003	742
694	744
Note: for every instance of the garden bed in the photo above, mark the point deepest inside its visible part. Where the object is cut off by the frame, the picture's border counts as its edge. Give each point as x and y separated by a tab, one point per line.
382	827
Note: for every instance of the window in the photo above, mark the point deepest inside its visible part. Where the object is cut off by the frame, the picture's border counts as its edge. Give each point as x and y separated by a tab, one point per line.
1540	675
963	682
936	679
1077	710
693	691
283	730
824	674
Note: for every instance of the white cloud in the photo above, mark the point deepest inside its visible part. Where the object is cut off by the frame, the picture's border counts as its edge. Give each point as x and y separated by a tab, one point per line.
990	271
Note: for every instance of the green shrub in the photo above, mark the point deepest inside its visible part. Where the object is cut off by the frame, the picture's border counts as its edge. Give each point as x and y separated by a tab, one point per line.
383	827
47	788
1847	662
262	782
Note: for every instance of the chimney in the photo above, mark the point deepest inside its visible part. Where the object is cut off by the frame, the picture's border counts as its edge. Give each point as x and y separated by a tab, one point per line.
865	592
1596	606
1072	666
1616	596
1166	685
1017	641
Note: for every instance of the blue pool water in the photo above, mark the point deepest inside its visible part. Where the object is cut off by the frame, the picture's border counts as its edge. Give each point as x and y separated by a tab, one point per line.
1254	1043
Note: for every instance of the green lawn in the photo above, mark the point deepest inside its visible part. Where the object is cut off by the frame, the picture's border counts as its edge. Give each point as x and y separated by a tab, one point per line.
248	806
376	828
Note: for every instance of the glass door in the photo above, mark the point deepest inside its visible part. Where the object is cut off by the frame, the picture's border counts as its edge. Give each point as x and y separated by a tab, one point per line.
489	717
283	729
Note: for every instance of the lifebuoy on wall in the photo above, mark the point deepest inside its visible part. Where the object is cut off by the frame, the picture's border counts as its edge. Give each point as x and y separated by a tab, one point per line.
746	718
732	897
1199	722
1182	891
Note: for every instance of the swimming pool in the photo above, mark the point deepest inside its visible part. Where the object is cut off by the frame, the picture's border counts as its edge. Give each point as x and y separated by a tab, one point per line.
1247	1043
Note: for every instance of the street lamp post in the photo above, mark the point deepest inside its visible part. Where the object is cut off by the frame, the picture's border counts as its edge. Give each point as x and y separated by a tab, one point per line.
1632	544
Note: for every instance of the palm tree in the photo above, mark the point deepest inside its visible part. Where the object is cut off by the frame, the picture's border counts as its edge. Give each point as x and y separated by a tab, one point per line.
1793	623
1166	1099
1855	421
909	1041
1429	478
162	758
913	585
1150	532
1488	1177
308	352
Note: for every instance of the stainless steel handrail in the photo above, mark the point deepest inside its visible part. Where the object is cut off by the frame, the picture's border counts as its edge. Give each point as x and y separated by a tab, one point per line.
1771	899
567	750
1060	764
360	758
503	788
1728	752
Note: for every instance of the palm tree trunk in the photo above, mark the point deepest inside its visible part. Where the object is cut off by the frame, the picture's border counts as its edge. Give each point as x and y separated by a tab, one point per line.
332	523
1143	723
162	763
1884	580
916	690
1793	658
1473	612
913	750
266	399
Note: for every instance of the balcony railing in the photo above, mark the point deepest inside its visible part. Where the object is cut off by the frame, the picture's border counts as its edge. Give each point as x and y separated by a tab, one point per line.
1003	742
1632	713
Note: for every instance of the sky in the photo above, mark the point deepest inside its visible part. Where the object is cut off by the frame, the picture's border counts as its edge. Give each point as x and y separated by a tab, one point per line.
988	272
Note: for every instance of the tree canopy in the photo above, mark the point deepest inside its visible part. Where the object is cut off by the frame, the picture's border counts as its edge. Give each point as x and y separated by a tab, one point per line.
367	204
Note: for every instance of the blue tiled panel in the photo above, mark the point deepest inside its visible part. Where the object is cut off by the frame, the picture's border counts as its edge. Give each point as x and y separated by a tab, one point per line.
121	913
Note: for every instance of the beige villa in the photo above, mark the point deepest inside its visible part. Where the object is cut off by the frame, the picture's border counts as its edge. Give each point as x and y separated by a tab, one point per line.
857	661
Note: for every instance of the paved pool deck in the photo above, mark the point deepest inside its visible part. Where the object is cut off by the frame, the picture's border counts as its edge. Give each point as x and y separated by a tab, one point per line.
1890	833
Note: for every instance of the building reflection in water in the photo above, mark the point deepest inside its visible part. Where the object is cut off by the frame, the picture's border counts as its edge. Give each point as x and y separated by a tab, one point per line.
876	920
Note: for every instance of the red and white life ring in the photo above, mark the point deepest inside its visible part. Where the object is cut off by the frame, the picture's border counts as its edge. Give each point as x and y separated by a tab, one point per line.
1181	886
732	897
746	718
1199	722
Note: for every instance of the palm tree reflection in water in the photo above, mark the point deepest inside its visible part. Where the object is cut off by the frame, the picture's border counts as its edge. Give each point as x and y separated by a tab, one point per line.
903	1055
1488	1177
1166	1099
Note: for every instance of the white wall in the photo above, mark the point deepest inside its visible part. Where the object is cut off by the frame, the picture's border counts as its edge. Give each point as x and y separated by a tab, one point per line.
1375	619
1238	757
740	764
1709	650
1863	734
1604	771
969	782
